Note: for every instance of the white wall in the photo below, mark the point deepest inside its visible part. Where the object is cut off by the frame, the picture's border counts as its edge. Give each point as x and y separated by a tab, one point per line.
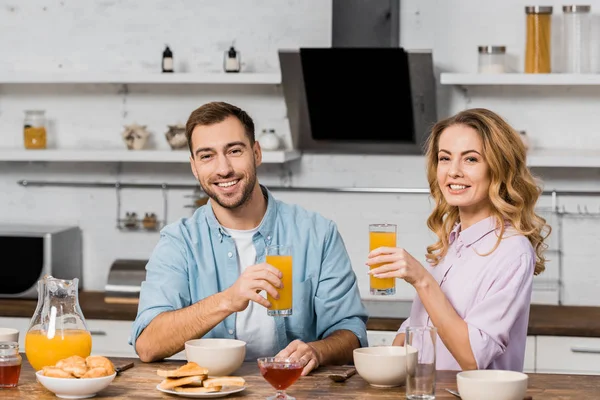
130	36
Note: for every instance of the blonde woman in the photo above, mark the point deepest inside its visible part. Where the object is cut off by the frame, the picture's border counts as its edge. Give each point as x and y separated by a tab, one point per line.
476	289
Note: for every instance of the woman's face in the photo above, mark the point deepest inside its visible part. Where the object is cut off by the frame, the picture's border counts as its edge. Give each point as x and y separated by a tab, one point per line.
462	172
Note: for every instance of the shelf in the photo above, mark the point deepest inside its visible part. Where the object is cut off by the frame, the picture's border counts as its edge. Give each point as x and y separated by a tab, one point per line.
564	158
149	156
559	158
141	78
519	79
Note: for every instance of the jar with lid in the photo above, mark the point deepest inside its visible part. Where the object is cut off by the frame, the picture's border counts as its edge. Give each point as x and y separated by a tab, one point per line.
492	59
34	129
10	364
232	62
538	40
576	39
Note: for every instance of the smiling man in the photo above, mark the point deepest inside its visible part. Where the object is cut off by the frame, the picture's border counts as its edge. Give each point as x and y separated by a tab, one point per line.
207	277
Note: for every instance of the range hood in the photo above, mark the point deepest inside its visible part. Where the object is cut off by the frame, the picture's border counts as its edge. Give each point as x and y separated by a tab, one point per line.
363	95
365	23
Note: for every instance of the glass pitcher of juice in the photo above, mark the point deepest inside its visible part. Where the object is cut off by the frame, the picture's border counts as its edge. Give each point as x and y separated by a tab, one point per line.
57	329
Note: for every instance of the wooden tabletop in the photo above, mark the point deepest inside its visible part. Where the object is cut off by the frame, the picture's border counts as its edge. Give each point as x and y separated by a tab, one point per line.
140	382
543	319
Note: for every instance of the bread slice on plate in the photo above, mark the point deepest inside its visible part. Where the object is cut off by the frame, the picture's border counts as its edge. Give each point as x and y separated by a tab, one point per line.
189	369
224	381
170	383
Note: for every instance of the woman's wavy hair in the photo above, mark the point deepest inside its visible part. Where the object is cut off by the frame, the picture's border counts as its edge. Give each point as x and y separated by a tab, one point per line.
513	190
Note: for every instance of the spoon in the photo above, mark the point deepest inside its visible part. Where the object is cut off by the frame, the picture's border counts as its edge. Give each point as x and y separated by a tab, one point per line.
343	376
454	392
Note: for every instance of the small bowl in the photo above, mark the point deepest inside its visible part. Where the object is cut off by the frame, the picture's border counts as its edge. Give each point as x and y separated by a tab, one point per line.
491	385
383	366
221	356
74	388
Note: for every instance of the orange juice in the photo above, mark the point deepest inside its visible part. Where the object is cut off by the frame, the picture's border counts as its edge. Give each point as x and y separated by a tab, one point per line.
381	239
42	351
284	264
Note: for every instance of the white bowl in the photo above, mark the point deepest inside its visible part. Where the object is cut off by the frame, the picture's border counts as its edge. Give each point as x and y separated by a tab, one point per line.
491	385
74	388
383	366
220	356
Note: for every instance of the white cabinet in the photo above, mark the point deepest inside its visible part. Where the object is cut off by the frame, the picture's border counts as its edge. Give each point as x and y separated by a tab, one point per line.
381	338
111	338
530	354
568	355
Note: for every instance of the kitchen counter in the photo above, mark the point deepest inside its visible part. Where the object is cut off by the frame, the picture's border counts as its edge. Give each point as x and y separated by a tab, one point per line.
544	320
140	382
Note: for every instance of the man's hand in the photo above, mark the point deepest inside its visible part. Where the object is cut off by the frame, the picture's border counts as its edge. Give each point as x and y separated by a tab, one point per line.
249	285
299	350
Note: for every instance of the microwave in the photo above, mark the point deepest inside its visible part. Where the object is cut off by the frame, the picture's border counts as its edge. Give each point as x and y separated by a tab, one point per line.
31	251
359	100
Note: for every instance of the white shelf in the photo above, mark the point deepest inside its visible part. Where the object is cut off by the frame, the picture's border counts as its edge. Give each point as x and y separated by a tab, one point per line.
118	155
564	158
141	78
519	79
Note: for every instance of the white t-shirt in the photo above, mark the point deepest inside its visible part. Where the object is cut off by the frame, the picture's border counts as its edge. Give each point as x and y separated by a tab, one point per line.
253	325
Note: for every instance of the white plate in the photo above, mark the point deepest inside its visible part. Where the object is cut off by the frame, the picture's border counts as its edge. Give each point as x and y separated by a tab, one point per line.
225	391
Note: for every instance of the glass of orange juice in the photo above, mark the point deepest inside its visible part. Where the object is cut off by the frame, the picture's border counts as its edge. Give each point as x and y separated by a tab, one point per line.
382	235
280	257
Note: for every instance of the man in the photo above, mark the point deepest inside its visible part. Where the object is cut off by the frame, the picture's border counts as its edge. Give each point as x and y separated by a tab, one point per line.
207	276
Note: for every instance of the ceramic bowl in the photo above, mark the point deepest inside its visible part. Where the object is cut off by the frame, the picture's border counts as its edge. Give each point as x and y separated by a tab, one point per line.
176	137
383	366
74	388
220	356
491	385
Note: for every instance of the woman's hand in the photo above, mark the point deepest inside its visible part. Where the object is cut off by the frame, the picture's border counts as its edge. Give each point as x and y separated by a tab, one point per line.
397	263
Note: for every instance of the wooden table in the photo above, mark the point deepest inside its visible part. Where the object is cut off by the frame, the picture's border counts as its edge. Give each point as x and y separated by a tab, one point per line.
140	382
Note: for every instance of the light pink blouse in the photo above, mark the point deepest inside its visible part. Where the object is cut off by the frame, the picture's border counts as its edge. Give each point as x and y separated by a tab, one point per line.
491	293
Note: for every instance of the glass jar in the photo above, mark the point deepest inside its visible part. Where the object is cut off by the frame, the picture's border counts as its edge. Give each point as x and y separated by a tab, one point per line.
576	39
538	42
492	59
57	329
232	62
34	131
10	364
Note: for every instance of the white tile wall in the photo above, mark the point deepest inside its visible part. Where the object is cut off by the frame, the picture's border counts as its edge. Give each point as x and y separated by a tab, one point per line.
129	35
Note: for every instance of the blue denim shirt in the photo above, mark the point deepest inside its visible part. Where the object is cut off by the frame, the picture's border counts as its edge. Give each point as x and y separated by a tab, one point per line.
195	258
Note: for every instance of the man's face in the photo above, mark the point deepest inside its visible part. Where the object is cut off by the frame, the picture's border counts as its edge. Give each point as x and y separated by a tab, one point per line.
224	162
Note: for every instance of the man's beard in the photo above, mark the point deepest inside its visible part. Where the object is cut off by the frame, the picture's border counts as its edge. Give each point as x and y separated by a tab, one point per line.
226	202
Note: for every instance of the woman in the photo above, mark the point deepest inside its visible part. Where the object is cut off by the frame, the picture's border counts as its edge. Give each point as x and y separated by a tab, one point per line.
477	289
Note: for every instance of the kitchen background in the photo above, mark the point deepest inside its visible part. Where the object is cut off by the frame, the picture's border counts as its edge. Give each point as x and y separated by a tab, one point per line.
111	37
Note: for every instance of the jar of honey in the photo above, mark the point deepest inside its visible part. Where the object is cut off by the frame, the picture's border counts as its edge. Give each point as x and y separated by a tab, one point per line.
538	40
10	364
34	132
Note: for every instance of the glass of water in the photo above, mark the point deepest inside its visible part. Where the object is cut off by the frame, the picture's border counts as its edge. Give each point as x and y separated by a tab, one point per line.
420	368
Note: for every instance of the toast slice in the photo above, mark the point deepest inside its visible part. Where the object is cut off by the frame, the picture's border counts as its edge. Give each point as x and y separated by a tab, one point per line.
224	381
197	389
189	369
170	383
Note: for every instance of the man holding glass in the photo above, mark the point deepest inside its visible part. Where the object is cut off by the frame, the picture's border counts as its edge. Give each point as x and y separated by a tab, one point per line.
207	276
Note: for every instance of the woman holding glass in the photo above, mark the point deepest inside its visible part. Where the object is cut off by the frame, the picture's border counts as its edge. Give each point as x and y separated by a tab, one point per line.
477	289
